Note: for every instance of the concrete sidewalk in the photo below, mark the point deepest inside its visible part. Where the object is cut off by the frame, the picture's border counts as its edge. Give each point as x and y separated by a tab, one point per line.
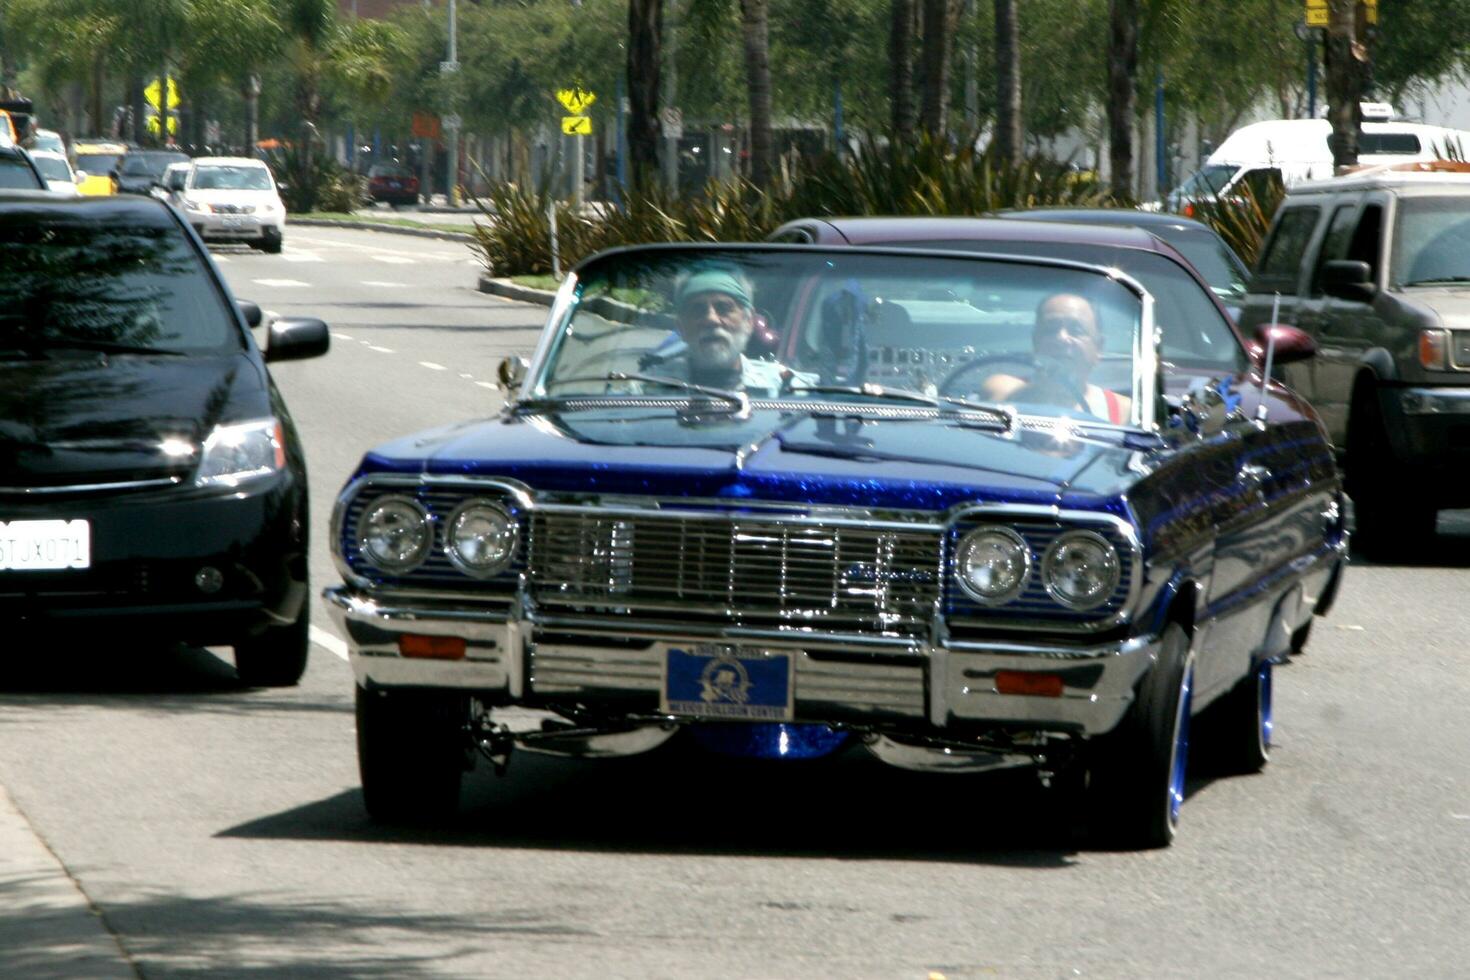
48	926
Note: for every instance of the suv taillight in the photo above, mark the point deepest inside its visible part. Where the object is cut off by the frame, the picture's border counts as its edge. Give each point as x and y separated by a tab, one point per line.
1433	345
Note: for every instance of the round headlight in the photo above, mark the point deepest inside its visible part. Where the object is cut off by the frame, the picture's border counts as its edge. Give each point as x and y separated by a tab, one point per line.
1080	569
481	538
394	534
991	564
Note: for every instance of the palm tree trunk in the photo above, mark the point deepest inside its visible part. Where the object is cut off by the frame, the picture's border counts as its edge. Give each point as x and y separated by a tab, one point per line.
901	69
251	91
1345	76
1007	82
1122	81
940	18
758	82
645	39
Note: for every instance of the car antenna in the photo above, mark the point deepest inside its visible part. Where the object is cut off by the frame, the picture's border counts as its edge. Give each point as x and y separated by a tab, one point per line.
1270	357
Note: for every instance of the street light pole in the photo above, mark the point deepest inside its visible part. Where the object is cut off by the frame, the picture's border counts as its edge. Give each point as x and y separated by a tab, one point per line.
450	69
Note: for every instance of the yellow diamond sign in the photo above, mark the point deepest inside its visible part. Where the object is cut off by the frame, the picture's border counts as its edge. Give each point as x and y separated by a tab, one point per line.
576	125
151	93
576	100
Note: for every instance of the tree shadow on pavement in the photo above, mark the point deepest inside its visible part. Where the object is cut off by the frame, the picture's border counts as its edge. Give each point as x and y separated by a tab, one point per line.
253	935
673	802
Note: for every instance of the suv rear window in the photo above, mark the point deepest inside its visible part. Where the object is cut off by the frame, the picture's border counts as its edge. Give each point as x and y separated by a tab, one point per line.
1388	143
15	174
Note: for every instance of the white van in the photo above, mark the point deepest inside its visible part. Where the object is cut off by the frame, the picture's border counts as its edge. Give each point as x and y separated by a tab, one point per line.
1298	150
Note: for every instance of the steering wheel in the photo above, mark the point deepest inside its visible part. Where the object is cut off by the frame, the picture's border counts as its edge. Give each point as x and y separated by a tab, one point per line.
969	367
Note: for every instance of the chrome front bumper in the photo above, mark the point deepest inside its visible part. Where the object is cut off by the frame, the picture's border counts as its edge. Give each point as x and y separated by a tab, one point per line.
944	690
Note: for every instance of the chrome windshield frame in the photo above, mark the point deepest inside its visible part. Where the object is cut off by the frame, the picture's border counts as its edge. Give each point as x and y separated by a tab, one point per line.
1146	340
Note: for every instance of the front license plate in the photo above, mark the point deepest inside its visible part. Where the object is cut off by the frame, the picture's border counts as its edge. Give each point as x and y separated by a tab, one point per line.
728	683
233	222
27	546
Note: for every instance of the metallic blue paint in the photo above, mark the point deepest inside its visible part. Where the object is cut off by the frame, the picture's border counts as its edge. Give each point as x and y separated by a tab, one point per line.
1263	684
1181	747
761	741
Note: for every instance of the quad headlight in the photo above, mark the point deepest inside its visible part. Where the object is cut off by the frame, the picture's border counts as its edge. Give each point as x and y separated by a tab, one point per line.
394	533
992	563
480	538
1080	569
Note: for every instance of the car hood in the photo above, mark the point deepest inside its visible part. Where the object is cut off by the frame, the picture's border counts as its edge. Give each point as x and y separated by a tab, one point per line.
86	419
926	464
1451	303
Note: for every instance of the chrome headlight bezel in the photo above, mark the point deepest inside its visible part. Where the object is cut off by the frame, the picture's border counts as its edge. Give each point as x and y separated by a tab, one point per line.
426	529
969	541
1112	565
453	550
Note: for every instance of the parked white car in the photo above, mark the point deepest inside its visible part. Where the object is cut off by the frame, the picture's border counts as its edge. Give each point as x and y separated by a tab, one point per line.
56	171
232	199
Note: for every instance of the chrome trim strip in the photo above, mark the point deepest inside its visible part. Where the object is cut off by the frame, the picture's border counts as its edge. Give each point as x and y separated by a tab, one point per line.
601	627
169	481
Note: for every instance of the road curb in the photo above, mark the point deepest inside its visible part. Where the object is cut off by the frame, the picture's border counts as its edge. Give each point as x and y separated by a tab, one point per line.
510	290
447	236
48	926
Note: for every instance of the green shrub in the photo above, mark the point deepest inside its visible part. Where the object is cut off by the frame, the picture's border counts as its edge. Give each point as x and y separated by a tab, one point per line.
1244	216
314	181
923	177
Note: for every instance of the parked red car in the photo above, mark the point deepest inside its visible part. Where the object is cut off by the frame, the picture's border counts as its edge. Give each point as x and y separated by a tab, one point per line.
393	183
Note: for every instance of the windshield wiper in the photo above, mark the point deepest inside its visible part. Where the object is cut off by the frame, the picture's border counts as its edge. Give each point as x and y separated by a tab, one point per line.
738	401
904	394
108	347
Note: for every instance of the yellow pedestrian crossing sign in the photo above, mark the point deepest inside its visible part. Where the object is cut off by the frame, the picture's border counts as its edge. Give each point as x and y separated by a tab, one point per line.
151	92
576	125
1317	12
577	100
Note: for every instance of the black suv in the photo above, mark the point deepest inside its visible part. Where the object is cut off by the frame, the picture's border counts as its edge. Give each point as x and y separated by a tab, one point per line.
18	171
151	479
1376	267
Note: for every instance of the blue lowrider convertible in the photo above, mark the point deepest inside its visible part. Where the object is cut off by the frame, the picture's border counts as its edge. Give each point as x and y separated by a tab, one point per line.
963	511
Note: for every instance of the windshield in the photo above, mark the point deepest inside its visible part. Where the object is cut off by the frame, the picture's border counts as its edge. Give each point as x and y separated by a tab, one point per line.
1433	241
97	163
52	168
1208	180
232	178
801	326
149	164
70	280
1211	258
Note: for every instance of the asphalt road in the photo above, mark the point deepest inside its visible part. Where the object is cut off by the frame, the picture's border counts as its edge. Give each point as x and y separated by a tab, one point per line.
219	831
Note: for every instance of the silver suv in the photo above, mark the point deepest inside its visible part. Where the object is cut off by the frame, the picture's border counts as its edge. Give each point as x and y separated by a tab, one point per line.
1376	267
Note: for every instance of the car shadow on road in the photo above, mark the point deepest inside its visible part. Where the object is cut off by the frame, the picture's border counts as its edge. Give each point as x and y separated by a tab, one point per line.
1449	548
151	676
672	802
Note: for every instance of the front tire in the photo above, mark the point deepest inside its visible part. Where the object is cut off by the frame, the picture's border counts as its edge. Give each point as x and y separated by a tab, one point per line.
1136	785
1390	524
411	753
277	657
271	243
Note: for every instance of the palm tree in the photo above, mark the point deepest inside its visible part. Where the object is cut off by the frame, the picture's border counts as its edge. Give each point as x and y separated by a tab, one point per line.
940	19
756	33
1346	80
901	68
645	52
1123	30
1007	81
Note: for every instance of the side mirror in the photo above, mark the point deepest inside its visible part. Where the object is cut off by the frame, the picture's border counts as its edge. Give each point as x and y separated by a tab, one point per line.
512	373
281	185
112	174
1350	280
250	311
80	175
1292	343
295	337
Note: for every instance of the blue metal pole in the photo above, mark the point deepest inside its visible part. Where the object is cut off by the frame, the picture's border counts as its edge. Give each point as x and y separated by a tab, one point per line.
1161	163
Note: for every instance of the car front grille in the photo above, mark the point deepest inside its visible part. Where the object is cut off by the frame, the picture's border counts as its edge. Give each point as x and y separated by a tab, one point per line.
233	208
751	570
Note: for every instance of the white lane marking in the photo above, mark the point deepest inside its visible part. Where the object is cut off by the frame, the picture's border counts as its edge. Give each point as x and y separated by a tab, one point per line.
468	377
302	257
487	384
432	366
342	336
328	642
281	283
384	285
1350	627
221	258
381	350
393	259
419	253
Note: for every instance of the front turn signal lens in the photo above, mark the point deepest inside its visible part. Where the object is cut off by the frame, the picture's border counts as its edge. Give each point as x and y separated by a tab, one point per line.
1433	349
431	647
